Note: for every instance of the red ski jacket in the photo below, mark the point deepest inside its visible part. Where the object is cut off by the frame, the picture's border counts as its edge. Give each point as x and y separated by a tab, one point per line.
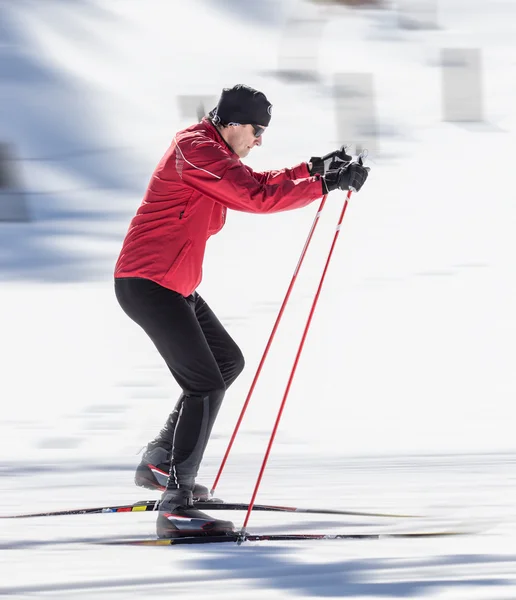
196	181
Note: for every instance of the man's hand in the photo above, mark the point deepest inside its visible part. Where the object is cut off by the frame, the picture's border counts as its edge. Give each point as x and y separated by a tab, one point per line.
349	177
330	162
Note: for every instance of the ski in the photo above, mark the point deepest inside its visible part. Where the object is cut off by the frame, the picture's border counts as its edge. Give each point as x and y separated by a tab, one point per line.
152	505
144	506
283	537
459	529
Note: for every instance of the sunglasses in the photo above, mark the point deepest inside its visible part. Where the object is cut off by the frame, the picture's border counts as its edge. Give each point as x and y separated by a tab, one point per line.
258	130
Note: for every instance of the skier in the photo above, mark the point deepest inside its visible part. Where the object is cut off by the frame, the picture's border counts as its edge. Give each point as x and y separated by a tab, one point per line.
160	267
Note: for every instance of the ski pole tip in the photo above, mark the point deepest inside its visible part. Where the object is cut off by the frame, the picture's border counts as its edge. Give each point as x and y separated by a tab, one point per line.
242	536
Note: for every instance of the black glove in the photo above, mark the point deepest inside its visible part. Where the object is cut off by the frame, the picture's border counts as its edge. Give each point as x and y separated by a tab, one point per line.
330	162
351	176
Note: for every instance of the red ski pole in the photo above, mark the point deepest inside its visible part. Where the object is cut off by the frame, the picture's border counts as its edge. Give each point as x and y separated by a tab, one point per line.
269	343
243	531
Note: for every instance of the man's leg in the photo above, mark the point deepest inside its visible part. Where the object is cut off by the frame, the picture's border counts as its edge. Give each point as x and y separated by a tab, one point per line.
166	436
154	469
169	320
228	355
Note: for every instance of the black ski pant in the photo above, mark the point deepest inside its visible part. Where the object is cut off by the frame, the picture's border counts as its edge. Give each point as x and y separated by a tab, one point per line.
202	357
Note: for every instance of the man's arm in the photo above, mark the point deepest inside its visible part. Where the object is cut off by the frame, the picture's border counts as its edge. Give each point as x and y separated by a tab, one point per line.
315	166
300	171
205	167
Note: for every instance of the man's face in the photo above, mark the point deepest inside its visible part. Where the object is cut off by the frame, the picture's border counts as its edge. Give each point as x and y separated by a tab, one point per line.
242	139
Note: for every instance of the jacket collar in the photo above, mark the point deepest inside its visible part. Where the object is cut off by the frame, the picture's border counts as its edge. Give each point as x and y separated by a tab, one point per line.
215	134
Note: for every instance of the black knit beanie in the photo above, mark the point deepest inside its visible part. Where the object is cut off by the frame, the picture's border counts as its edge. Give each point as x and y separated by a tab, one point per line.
242	105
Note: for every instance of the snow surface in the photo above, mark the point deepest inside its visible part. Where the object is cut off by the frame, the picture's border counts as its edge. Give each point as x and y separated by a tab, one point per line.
404	398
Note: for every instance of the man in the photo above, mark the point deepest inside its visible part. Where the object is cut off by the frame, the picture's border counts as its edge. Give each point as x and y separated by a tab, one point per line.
160	266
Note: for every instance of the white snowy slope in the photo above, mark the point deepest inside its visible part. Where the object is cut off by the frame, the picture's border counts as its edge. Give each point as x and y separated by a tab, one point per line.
404	396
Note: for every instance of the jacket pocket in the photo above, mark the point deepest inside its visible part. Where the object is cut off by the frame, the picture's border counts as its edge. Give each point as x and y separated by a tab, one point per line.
179	258
183	212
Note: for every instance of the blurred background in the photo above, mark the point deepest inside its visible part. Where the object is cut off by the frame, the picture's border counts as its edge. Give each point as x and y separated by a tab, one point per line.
404	400
414	339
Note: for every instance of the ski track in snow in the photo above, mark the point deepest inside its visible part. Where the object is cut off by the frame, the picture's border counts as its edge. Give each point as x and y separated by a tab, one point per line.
471	490
404	399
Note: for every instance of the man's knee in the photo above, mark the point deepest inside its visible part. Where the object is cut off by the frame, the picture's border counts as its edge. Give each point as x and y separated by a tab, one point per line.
239	362
233	367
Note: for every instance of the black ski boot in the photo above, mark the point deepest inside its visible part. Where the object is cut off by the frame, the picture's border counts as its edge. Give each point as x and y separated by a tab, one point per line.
178	517
154	468
152	472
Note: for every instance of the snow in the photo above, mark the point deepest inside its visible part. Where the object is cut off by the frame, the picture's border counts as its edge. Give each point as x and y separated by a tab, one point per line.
404	396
